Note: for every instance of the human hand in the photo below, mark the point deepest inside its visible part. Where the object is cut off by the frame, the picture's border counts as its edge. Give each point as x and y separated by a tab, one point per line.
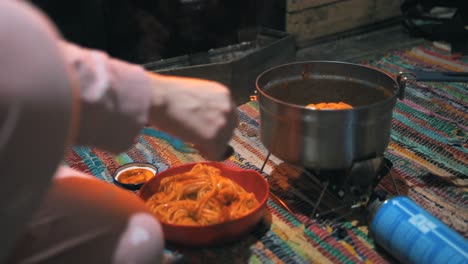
197	111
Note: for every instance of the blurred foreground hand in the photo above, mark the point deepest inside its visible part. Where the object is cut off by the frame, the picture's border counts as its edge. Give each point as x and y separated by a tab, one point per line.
198	111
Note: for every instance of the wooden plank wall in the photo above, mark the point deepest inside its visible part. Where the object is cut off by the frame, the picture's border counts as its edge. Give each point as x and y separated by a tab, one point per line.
309	20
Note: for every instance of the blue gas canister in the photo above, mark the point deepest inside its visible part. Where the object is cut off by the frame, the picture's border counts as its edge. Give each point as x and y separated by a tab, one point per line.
413	235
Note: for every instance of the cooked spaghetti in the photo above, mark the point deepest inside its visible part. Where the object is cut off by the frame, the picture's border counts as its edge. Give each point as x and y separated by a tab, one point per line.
329	106
201	196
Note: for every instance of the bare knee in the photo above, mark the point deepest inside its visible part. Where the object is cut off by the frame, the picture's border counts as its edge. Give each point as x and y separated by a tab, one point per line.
141	242
65	172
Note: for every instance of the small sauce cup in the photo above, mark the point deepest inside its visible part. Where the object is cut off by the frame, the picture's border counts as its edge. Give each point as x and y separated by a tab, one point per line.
132	176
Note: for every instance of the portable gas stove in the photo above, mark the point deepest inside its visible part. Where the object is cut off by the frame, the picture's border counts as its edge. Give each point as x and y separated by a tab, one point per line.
353	188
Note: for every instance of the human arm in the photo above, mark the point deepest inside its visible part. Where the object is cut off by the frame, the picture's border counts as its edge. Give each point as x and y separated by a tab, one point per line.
52	95
118	98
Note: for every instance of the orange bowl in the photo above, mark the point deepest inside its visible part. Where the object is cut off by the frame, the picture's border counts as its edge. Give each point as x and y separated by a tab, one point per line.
229	231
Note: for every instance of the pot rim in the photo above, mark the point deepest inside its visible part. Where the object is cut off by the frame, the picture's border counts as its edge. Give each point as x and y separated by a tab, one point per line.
376	70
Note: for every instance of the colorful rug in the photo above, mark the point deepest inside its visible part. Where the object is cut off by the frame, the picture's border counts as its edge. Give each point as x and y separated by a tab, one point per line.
428	148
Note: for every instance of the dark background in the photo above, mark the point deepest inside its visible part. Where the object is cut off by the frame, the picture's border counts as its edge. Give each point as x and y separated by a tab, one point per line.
142	31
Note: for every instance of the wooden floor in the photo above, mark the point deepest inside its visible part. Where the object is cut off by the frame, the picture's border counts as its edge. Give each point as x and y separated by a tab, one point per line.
360	45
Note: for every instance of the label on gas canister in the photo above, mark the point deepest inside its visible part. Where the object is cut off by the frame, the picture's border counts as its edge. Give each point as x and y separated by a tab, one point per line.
412	235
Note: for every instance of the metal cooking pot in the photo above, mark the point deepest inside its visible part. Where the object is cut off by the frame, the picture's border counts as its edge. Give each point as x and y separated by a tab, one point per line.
326	140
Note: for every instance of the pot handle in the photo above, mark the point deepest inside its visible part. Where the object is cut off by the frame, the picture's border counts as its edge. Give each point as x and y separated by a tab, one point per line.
439	76
401	79
428	76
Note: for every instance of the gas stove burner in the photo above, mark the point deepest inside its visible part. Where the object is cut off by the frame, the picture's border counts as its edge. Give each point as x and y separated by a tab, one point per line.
358	182
353	187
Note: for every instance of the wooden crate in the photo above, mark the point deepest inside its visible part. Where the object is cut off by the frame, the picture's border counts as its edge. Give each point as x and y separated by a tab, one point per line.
308	20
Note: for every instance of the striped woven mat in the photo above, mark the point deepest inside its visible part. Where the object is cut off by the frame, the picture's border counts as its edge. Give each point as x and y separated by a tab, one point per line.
428	148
